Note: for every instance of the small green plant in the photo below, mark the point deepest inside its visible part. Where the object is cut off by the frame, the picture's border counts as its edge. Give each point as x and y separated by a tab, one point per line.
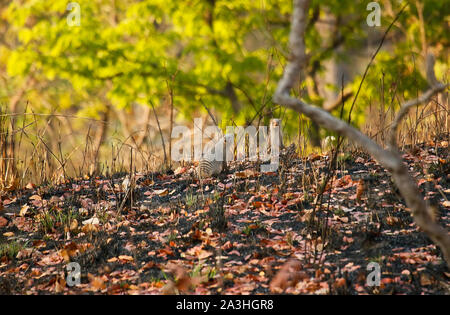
212	273
247	230
216	214
289	239
308	197
10	249
65	218
339	212
47	222
191	199
53	218
345	157
253	227
208	273
216	196
196	270
377	258
172	237
102	215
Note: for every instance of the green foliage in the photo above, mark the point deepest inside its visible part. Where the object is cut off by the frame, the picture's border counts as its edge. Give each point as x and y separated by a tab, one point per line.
390	80
131	51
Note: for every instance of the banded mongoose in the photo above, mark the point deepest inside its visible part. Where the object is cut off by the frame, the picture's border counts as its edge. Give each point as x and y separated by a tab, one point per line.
207	168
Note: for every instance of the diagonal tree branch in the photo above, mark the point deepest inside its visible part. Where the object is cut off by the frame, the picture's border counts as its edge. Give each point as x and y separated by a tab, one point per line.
390	159
435	87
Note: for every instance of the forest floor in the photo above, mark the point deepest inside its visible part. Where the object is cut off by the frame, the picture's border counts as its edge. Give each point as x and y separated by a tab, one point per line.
241	233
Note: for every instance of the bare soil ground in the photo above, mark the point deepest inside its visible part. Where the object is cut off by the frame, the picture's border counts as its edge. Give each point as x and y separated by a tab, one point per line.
235	234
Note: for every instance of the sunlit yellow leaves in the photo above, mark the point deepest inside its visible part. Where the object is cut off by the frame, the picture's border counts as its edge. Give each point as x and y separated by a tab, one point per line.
204	42
25	35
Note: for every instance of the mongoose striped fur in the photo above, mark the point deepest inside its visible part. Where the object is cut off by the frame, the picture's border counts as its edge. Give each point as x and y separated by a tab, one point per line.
207	168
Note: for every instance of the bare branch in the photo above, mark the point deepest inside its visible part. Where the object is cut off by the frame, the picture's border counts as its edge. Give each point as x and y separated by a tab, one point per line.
404	109
332	105
390	159
297	62
290	76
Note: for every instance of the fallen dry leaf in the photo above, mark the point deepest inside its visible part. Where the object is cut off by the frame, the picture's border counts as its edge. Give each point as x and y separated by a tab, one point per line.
25	253
24	210
392	221
180	170
161	192
96	283
339	283
73	224
360	189
88	228
35	197
30	186
92	221
60	284
3	222
288	276
126	257
425	279
183	281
